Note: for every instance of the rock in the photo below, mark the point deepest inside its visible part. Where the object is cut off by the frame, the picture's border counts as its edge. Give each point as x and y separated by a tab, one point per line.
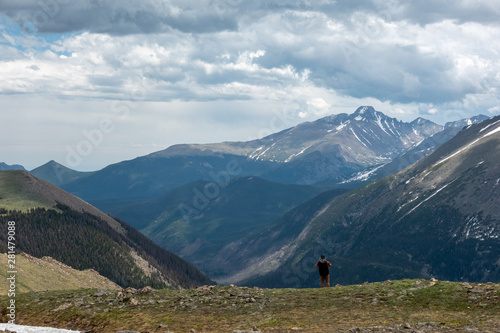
475	291
407	326
147	290
131	290
100	293
467	285
295	329
134	302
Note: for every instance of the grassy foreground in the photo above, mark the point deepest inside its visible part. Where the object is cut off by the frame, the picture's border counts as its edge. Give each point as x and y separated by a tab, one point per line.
450	307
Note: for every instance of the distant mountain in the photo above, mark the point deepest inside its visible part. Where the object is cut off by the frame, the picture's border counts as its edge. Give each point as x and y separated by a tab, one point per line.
58	174
5	167
332	148
413	154
439	217
150	176
198	219
52	222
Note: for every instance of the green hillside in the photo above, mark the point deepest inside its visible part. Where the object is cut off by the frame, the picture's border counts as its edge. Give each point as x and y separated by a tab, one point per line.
16	195
76	234
35	274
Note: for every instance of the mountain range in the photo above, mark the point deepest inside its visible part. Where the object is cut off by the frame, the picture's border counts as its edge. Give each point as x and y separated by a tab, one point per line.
437	218
414	153
330	150
216	205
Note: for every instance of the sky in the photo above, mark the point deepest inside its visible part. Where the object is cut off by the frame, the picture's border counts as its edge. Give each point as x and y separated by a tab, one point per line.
89	83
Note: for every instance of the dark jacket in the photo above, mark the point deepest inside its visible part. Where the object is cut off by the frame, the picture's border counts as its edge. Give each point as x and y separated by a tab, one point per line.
323	267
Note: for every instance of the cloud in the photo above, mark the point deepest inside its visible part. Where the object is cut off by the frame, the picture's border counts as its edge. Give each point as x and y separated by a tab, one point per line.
366	53
311	57
117	17
432	11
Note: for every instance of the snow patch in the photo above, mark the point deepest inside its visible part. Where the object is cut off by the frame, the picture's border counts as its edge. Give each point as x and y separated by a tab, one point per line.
363	110
476	230
496	130
389	127
341	126
255	152
409	202
426	199
482	129
358	138
409	180
379	123
33	329
362	175
295	155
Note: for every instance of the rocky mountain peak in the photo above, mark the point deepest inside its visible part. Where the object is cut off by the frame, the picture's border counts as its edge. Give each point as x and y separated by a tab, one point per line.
466	122
366	110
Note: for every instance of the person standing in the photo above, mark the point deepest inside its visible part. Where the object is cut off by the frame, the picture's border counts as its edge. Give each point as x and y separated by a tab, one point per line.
324	272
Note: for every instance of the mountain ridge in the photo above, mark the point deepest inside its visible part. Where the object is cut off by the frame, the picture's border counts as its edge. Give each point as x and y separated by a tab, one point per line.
426	220
5	167
329	149
57	174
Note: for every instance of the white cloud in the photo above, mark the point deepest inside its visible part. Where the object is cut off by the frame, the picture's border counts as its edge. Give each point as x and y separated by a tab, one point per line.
494	110
313	57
